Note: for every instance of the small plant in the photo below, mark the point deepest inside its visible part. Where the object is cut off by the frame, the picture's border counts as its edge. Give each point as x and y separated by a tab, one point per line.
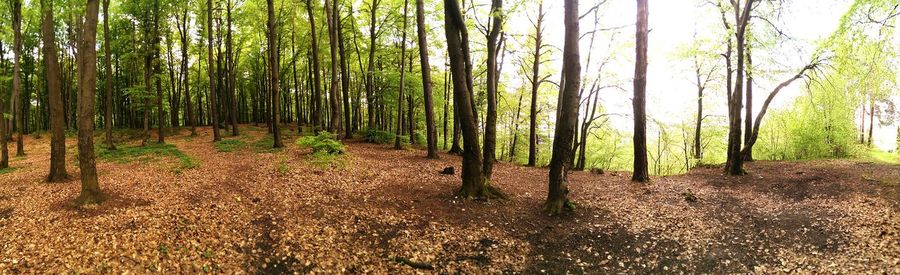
323	143
229	145
7	170
689	196
264	145
379	137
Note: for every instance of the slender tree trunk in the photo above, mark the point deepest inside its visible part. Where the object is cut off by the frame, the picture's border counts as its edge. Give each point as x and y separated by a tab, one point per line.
370	75
229	65
402	80
51	61
214	116
334	125
515	133
430	131
345	72
535	84
183	31
274	67
110	143
748	108
317	71
640	87
16	105
490	127
698	150
87	82
871	119
734	164
557	196
446	107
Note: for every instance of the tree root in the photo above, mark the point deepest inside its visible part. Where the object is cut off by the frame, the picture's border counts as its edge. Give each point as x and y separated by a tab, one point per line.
413	264
558	206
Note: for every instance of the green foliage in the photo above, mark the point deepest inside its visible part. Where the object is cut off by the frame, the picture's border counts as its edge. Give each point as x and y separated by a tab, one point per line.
379	137
264	145
323	143
229	145
150	152
8	170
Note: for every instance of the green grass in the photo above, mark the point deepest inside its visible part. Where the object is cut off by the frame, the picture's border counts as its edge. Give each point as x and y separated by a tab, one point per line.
885	157
8	170
264	145
230	145
150	152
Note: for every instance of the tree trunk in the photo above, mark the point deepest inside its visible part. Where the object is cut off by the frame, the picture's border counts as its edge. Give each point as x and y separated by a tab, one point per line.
402	81
473	183
333	97
871	119
58	137
446	107
110	143
16	105
558	191
183	31
490	127
274	67
213	112
734	164
430	129
345	72
748	110
230	65
370	75
640	87
317	71
535	84
87	82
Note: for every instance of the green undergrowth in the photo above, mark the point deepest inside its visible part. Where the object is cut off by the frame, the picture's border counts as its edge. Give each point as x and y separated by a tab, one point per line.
881	156
151	152
8	170
327	151
230	145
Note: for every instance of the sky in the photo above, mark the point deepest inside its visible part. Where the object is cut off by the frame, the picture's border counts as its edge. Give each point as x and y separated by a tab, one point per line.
674	24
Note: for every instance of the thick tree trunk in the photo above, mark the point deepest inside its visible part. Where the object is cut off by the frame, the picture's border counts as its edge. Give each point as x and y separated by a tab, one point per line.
87	82
213	112
473	183
274	67
640	87
51	61
558	191
490	127
402	81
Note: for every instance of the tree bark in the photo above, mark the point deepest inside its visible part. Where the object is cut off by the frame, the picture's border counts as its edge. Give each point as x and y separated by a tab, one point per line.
402	81
748	109
473	183
535	84
213	112
229	67
110	143
16	105
274	67
183	32
735	162
51	61
333	97
87	82
317	71
370	75
430	129
558	191
490	127
345	72
640	87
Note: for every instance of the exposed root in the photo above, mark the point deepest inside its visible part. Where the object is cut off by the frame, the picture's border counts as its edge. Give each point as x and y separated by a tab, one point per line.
559	206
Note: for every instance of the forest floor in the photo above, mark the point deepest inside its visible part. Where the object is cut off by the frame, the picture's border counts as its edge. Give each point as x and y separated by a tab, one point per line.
240	207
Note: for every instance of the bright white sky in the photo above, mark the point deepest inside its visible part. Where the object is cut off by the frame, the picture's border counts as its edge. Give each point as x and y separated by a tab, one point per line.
671	92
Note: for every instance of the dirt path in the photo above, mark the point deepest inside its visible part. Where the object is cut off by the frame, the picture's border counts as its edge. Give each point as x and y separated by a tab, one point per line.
274	212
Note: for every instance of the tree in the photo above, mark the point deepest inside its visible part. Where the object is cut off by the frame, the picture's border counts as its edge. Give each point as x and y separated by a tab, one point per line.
640	87
317	72
430	130
402	81
87	82
735	160
345	73
558	191
536	81
229	65
214	116
370	71
19	119
473	183
490	127
108	120
334	125
274	64
51	61
183	33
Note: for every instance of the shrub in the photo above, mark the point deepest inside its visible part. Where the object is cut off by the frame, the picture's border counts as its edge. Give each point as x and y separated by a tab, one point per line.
324	142
379	137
